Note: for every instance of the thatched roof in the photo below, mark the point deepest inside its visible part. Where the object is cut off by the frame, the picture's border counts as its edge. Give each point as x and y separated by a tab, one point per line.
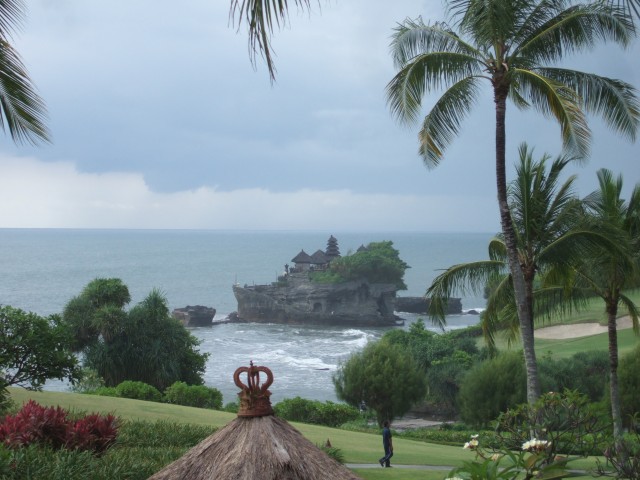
256	445
302	257
256	448
319	258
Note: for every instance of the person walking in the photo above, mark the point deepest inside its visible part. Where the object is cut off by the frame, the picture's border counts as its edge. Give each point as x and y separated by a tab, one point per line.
387	443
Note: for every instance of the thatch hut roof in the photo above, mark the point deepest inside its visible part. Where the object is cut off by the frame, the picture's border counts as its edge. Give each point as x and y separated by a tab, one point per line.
261	447
319	258
302	257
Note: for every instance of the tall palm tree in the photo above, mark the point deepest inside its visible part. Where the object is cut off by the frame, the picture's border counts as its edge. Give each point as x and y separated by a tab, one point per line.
260	16
513	46
607	275
22	111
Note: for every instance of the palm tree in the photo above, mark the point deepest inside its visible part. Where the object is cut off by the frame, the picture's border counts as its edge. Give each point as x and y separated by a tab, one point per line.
607	275
22	111
260	16
512	45
550	234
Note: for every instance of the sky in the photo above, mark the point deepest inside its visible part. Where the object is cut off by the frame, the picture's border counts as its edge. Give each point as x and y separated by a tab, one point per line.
159	120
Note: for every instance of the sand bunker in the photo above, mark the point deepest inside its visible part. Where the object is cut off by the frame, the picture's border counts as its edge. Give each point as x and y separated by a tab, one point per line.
561	332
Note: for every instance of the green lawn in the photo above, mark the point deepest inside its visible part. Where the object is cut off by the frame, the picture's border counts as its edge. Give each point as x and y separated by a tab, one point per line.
358	448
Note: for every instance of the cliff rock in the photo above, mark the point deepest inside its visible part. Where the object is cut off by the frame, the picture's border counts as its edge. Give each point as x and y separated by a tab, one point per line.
294	299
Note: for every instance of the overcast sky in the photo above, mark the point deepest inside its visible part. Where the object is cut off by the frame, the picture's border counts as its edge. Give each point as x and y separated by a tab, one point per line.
160	121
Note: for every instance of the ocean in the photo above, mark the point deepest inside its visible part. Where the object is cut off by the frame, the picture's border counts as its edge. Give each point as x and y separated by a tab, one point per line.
42	269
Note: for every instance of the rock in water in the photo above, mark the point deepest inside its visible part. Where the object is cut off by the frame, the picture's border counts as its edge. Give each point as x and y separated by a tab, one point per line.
195	316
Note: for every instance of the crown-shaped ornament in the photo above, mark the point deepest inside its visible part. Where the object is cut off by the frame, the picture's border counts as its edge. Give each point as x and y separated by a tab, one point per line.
254	397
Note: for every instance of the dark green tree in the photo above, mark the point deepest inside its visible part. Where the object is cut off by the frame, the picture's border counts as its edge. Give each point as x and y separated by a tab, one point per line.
98	311
382	375
34	349
514	47
379	262
145	344
491	387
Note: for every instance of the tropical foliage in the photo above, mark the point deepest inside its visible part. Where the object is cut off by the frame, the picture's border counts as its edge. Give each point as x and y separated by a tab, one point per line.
34	349
514	47
145	343
378	262
607	274
549	231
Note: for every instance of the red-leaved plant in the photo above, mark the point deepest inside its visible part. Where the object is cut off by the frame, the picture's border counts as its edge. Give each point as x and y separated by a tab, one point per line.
51	426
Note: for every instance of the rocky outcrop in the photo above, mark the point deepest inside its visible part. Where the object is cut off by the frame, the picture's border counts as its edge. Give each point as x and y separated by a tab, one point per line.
421	305
195	316
294	299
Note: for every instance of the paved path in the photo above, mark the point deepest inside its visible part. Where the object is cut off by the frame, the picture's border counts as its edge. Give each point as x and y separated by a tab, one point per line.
442	468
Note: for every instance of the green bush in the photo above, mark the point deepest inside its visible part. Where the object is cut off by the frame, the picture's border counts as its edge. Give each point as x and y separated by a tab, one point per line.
492	387
105	392
629	384
586	372
193	396
312	411
138	391
231	407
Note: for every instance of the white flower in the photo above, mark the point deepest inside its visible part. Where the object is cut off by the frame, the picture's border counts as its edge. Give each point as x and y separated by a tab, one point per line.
535	445
471	444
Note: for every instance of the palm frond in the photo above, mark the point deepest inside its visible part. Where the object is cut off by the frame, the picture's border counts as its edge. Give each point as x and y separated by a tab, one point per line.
631	7
577	28
22	110
632	310
488	21
557	301
442	124
557	100
616	101
427	72
12	13
413	37
498	249
261	17
459	278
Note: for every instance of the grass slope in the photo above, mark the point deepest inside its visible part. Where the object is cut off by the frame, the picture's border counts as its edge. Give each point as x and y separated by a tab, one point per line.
358	448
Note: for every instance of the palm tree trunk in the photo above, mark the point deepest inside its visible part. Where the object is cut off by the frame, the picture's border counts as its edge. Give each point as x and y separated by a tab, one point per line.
616	413
525	315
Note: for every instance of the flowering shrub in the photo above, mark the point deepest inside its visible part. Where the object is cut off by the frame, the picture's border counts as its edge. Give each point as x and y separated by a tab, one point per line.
51	426
564	420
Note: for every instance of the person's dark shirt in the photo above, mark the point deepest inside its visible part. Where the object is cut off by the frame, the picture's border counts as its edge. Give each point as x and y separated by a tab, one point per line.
386	436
